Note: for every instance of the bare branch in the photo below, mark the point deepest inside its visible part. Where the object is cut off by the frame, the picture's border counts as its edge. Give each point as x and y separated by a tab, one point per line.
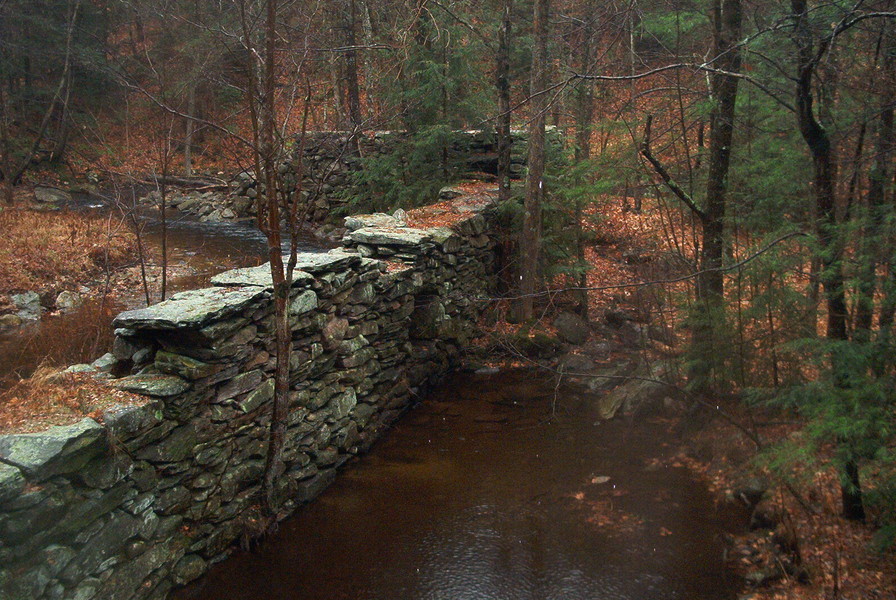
664	173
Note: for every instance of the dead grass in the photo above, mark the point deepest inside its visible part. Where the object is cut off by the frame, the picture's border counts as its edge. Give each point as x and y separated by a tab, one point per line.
48	399
51	252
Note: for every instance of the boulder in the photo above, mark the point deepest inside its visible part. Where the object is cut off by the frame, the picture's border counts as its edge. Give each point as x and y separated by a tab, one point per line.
191	309
258	276
750	490
185	366
576	364
28	305
615	317
67	300
334	332
389	236
106	363
304	302
189	568
9	322
764	516
12	482
51	195
643	392
450	193
572	328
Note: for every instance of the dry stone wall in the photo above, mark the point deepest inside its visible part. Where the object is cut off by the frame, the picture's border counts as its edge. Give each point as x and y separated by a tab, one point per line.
332	159
145	497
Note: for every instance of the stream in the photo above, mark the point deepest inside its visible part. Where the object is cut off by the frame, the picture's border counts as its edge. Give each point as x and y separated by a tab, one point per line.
196	250
496	487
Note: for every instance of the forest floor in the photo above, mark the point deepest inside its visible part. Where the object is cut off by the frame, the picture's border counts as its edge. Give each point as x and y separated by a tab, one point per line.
798	546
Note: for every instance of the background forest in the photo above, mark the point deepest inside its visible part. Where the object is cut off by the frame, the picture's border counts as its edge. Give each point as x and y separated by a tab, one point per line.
757	136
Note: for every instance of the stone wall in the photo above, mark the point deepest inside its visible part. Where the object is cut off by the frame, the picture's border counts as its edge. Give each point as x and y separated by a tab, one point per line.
144	497
332	158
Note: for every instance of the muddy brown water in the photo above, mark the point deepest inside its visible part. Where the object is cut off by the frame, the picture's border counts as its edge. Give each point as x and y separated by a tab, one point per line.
197	251
495	488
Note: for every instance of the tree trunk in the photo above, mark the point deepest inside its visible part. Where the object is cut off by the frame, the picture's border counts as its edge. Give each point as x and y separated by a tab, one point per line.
825	176
64	78
851	492
338	94
502	83
530	240
711	282
351	67
878	178
584	118
5	154
283	336
188	136
62	124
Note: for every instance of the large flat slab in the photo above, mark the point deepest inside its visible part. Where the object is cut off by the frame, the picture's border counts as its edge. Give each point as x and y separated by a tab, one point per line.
322	262
191	309
44	453
389	236
256	276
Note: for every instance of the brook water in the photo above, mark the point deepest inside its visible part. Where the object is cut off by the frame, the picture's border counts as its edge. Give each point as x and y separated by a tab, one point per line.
496	488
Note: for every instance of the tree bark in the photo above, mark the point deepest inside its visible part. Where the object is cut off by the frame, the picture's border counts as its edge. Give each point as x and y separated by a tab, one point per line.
711	283
530	241
584	118
727	17
351	67
502	83
63	80
878	179
188	135
5	154
282	333
825	177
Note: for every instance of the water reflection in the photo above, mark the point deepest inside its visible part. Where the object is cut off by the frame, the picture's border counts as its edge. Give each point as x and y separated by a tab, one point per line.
479	493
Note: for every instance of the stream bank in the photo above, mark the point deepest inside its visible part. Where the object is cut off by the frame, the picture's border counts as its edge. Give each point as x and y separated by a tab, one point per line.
57	335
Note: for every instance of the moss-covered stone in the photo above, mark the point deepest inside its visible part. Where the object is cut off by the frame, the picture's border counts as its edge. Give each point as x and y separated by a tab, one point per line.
175	447
160	386
11	482
188	368
191	309
61	449
259	396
